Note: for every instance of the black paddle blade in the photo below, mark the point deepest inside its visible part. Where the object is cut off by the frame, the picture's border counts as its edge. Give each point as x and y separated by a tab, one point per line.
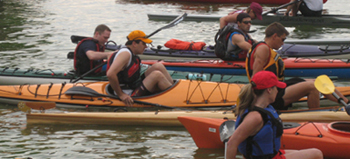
226	130
76	38
80	90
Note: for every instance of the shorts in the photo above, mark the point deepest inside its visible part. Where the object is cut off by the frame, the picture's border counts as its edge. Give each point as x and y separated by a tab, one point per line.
279	101
140	91
307	12
280	155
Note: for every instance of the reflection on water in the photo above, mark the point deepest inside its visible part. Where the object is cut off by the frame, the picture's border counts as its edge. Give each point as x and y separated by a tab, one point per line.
36	34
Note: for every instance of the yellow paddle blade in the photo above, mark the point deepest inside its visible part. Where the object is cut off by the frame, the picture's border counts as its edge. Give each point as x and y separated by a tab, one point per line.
23	107
324	84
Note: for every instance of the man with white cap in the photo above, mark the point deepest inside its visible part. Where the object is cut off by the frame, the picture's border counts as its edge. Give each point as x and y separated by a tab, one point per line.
254	10
124	68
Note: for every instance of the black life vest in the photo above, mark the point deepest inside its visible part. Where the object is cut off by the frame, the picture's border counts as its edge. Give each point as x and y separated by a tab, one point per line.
131	74
222	41
82	63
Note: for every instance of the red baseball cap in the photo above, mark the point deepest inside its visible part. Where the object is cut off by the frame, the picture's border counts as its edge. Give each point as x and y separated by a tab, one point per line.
257	10
266	79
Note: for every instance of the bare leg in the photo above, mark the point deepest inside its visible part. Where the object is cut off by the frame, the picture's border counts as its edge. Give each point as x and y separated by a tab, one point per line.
156	81
159	67
311	153
294	92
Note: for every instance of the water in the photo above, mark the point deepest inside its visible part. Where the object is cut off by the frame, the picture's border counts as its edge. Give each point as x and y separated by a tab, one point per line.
36	34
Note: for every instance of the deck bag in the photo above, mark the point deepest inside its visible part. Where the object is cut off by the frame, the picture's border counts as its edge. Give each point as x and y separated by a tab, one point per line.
184	45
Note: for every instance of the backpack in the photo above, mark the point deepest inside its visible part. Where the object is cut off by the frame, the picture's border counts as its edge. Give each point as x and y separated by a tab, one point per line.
221	41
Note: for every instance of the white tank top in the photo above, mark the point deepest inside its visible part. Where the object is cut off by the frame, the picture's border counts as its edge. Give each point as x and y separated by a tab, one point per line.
314	5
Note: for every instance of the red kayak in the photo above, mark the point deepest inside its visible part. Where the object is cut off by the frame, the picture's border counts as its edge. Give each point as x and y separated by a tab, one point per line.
333	139
294	67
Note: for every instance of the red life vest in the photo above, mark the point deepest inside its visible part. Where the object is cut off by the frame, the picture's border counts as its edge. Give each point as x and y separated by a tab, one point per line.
82	63
184	45
131	74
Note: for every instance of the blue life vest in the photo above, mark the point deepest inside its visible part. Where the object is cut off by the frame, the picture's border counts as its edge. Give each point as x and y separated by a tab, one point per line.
267	142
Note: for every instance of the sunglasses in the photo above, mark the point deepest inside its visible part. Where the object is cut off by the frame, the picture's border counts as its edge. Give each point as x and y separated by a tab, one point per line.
247	22
283	39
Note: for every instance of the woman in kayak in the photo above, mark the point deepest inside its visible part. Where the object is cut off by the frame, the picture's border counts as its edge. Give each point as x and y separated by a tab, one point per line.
258	126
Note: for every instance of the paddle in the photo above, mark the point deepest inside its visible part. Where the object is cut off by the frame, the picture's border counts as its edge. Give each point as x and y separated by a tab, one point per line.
79	90
88	72
326	86
226	130
171	24
274	10
42	106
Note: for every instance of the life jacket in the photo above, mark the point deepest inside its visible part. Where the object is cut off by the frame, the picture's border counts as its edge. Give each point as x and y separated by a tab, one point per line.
82	63
266	143
222	41
275	63
235	51
131	74
184	45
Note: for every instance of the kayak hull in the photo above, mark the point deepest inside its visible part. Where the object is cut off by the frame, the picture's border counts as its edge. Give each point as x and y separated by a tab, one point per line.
205	133
168	118
189	93
323	21
286	50
294	67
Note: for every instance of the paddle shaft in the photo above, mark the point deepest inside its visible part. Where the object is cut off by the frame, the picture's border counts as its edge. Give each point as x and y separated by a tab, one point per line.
90	71
273	10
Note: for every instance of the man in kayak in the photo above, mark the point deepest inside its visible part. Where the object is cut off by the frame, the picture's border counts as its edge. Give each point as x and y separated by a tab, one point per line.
89	52
254	10
124	68
263	57
240	41
311	8
258	128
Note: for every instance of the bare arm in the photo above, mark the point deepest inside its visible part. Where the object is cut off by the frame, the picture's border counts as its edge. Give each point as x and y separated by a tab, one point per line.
238	39
228	19
261	56
251	124
118	64
97	55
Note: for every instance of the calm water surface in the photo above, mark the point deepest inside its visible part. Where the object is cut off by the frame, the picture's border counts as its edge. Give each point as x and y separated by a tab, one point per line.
36	34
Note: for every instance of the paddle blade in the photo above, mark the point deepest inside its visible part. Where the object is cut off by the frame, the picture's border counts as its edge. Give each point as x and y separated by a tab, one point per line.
324	84
226	130
23	107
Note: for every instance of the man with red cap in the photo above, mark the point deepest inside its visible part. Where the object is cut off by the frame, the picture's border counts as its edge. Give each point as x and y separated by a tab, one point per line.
124	68
254	10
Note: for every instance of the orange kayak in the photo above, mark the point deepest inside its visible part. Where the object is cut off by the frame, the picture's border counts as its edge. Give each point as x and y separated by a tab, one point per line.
333	139
183	93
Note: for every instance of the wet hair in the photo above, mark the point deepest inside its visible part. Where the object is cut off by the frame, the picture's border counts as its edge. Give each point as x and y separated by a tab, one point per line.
277	28
129	42
101	28
247	97
241	16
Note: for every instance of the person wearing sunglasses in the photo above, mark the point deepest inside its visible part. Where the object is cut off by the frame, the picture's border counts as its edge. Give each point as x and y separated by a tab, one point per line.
254	10
123	67
263	56
258	126
310	8
89	53
240	41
